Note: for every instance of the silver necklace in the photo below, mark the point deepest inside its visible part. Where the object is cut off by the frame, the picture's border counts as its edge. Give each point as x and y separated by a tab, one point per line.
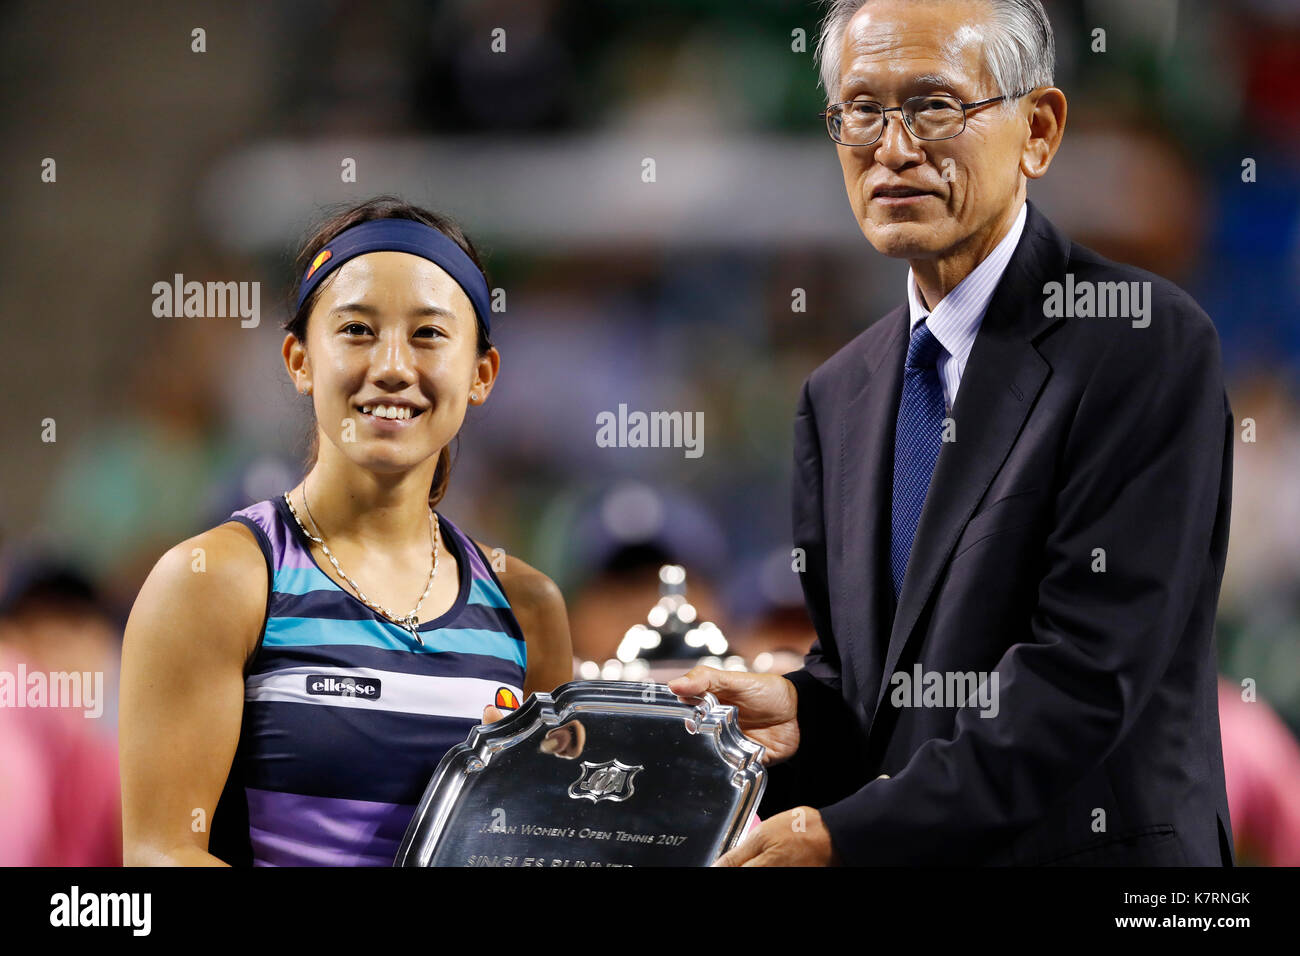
409	621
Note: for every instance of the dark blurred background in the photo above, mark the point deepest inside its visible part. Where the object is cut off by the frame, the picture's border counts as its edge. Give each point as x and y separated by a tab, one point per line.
676	294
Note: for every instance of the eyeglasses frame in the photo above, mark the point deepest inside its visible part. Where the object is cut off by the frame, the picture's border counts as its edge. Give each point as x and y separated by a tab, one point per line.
884	118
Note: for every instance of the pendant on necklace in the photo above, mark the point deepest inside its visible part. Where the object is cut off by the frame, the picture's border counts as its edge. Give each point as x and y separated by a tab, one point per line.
409	622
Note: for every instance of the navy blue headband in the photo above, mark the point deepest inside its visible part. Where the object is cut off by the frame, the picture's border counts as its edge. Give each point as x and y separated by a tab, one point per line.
401	235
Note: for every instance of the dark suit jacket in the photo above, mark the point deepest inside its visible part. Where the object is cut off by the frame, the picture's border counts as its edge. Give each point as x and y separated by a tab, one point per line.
1072	434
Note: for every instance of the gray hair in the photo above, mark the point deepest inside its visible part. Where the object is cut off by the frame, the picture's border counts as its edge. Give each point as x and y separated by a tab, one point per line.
1020	53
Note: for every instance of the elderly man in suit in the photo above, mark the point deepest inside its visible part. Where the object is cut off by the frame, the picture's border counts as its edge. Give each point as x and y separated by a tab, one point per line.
1011	499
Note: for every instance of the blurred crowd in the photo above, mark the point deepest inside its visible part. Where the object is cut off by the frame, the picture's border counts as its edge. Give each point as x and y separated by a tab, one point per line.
167	426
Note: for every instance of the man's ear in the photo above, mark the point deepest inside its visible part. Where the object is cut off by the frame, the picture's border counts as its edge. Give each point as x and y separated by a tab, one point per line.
485	374
1046	127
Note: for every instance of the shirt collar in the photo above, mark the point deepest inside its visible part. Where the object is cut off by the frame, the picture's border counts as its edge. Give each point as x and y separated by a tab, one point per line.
957	317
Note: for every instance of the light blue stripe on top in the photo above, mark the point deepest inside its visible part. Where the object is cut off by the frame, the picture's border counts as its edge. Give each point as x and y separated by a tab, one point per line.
303	580
484	591
306	631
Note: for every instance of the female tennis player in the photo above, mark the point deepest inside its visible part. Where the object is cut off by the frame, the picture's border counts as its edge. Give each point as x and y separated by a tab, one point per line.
291	677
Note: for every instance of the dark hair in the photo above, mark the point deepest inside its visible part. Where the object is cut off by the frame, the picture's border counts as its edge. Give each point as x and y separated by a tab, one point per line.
335	222
50	584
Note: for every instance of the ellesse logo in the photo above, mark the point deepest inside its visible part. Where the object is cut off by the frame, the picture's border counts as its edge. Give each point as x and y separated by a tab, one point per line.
506	699
321	258
326	685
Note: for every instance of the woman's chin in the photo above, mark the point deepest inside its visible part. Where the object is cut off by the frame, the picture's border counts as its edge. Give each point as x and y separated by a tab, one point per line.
389	461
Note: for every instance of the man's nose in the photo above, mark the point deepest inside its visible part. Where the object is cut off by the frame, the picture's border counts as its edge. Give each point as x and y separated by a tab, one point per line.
897	146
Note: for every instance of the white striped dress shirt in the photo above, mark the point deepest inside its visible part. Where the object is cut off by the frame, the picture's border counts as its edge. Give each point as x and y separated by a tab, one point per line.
956	320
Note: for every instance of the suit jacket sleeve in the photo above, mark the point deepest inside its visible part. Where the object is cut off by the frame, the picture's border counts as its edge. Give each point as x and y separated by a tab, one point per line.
1140	477
824	768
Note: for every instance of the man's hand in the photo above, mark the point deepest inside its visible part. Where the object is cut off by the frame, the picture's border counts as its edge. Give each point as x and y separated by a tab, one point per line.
794	838
766	705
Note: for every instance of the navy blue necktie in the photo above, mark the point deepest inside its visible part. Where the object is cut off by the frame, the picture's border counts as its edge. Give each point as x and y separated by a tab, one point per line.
917	439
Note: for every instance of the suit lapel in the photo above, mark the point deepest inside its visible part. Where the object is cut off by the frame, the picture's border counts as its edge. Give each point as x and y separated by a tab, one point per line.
866	479
1002	379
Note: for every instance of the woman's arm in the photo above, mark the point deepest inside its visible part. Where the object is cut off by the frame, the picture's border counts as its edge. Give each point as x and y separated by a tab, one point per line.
538	606
191	630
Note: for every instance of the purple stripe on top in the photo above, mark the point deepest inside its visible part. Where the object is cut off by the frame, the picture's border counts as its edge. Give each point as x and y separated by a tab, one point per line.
273	517
477	568
290	829
286	550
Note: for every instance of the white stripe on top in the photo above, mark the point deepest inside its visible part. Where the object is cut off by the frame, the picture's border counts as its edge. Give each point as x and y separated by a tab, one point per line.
405	693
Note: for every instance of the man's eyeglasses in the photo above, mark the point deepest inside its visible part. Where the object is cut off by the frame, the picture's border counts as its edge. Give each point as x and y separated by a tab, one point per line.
930	117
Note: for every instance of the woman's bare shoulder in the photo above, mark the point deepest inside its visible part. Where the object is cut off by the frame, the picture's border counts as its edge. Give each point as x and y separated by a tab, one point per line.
528	590
210	588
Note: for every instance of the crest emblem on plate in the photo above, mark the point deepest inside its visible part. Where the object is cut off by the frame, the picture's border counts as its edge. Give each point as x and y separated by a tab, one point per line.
609	780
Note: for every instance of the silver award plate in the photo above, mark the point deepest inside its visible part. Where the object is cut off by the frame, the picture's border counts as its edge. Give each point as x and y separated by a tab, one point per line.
600	773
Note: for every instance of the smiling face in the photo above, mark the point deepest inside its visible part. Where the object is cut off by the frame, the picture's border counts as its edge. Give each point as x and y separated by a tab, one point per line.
391	328
937	196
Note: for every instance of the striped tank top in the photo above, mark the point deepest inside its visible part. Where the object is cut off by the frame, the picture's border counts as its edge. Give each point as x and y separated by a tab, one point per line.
345	714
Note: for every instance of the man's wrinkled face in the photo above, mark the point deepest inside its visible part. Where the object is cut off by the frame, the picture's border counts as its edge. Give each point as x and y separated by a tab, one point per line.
916	199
